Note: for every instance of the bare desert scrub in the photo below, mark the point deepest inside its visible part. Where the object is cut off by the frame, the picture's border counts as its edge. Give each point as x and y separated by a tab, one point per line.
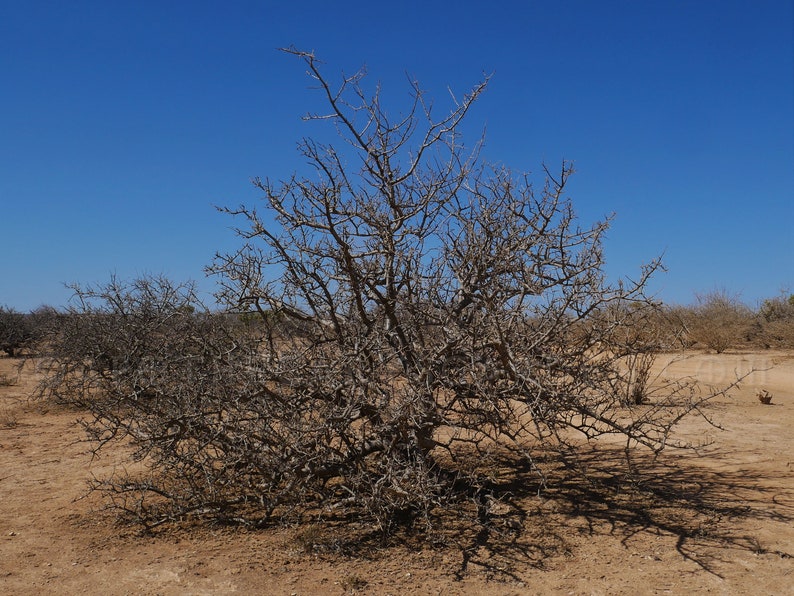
720	518
417	376
394	317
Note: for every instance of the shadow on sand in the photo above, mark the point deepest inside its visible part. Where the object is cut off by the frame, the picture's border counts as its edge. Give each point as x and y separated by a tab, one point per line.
704	511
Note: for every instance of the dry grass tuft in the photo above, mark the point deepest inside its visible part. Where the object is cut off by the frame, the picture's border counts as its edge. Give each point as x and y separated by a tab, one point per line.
8	417
353	583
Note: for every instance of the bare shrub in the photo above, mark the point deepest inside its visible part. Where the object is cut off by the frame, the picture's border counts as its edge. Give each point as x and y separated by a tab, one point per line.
447	307
775	322
21	333
16	331
719	321
638	333
675	324
158	371
421	316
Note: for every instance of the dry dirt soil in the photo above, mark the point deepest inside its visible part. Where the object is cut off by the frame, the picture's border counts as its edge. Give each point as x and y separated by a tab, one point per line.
719	520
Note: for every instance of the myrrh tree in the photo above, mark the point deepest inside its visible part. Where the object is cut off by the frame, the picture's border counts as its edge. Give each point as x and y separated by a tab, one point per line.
419	311
446	307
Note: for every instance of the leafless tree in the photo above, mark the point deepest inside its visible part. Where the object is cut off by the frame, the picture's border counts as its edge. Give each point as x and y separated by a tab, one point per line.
419	312
448	307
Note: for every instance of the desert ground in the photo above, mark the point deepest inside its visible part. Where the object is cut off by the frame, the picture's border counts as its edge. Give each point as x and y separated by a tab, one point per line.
722	518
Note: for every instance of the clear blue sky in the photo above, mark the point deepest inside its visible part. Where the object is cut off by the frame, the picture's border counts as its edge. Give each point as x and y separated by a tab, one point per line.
123	123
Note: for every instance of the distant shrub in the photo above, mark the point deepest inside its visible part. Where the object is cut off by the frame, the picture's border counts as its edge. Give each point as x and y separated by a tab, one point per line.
16	331
775	322
719	321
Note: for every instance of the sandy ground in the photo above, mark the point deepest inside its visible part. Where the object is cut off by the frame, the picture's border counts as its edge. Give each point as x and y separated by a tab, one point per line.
727	527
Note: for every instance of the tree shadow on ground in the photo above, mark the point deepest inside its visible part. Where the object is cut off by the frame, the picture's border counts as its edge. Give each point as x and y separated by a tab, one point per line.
703	510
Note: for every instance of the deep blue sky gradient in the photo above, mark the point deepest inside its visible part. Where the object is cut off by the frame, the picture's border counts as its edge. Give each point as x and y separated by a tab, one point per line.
122	124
